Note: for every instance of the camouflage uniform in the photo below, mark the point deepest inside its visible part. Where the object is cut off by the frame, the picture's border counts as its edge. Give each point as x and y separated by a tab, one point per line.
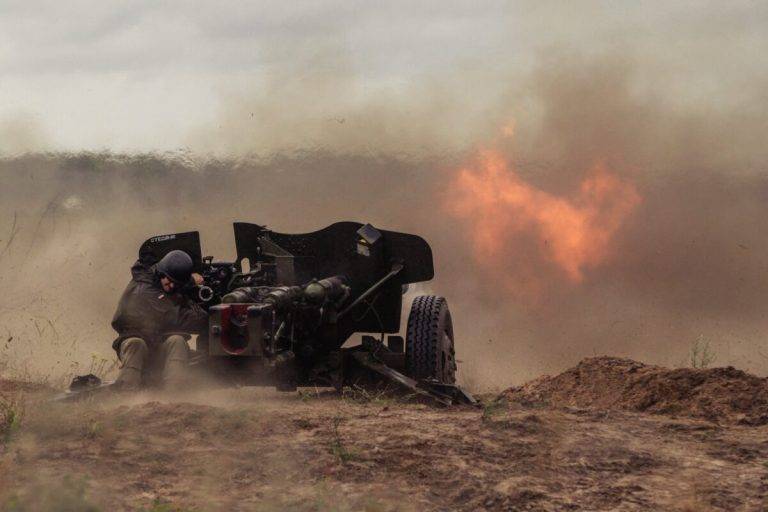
153	328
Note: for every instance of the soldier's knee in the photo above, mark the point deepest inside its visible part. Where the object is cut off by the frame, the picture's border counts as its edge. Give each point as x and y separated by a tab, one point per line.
133	353
176	341
133	345
176	347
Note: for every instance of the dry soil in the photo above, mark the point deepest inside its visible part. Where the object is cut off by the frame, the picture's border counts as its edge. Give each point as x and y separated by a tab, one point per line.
589	439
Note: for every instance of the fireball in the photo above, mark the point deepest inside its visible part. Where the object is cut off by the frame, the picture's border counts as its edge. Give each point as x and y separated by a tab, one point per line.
503	213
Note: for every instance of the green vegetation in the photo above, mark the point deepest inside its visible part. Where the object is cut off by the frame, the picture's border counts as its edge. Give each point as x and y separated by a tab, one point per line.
492	408
308	394
93	429
701	355
11	414
160	506
337	447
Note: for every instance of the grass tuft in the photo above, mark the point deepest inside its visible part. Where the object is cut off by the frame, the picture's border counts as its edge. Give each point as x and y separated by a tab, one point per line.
160	506
701	353
492	408
11	415
383	396
337	447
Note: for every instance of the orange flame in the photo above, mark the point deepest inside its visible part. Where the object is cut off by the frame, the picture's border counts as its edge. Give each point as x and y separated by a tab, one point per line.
504	212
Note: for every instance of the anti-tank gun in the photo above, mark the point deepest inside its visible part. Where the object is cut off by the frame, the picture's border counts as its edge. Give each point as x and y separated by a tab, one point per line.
285	310
265	321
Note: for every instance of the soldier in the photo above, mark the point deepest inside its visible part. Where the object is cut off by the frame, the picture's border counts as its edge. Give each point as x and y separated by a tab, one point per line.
154	320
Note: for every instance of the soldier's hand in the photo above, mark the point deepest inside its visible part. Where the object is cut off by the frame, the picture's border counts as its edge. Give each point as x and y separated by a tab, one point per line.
198	278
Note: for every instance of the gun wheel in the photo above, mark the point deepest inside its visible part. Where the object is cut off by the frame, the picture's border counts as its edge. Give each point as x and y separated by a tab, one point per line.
429	351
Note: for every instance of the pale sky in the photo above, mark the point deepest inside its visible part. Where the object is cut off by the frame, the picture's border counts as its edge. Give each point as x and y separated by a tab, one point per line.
144	75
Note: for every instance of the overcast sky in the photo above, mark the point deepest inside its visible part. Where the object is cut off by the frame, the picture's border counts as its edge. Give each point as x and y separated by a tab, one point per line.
143	75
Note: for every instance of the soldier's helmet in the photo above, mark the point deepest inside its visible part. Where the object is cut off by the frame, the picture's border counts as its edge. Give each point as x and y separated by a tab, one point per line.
177	266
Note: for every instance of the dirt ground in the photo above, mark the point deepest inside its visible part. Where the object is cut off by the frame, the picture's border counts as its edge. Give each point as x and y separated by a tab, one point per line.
251	449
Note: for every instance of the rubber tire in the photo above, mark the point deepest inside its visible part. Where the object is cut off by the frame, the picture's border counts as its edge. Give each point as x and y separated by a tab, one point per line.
429	350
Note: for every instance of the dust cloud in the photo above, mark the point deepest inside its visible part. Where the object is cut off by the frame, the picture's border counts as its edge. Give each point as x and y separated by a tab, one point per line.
22	132
300	152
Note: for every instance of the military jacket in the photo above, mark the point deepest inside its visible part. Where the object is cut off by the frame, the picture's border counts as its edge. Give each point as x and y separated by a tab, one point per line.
146	311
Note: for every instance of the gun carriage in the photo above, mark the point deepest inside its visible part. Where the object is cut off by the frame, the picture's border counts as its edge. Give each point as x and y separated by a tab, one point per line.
284	312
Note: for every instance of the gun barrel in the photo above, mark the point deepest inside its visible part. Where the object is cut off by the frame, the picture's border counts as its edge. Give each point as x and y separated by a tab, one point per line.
241	295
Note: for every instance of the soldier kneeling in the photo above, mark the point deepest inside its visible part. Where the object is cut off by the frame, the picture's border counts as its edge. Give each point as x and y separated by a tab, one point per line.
154	321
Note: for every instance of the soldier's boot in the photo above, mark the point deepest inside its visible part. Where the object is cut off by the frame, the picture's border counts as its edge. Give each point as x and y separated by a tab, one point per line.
176	368
133	354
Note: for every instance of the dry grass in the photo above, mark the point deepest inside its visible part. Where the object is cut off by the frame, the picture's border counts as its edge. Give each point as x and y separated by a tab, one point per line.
382	396
701	355
343	453
11	414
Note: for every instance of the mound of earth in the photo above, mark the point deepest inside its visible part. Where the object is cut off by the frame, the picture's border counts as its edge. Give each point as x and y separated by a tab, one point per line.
722	395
